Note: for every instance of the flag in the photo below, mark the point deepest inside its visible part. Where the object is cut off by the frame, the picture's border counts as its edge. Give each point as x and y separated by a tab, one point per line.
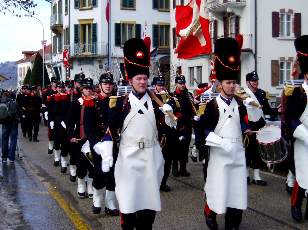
108	11
192	25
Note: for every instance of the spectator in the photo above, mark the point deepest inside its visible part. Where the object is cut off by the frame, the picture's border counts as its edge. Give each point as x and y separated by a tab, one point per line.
9	128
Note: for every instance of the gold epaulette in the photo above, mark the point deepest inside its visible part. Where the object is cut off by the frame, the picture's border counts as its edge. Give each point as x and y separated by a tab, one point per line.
267	95
201	109
288	90
165	97
177	103
113	101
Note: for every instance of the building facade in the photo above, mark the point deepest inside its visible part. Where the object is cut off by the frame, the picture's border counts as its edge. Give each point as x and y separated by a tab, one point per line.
84	33
269	29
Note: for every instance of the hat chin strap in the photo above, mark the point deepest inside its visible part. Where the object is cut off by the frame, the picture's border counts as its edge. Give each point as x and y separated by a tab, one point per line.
253	88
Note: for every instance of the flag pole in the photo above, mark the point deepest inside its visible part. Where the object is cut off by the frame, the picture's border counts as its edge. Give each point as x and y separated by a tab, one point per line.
109	36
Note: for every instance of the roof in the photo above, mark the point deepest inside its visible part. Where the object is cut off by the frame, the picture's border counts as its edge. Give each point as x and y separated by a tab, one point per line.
29	56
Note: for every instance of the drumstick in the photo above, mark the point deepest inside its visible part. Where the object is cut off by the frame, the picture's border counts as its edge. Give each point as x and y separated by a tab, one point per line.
160	103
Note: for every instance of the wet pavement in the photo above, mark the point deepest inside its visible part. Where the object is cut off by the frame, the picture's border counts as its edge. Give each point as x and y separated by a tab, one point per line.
35	195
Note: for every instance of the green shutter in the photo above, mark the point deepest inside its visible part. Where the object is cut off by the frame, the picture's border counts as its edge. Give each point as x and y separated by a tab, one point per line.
76	33
76	3
155	36
94	38
138	31
155	4
117	34
94	3
131	3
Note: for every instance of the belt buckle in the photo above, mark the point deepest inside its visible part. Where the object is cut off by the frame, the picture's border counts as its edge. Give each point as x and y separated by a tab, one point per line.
141	145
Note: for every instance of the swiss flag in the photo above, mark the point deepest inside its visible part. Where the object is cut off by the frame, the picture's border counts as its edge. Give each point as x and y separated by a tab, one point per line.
192	26
108	11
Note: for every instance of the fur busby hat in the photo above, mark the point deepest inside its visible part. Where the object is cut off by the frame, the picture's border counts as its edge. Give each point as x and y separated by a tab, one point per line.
301	46
106	78
252	76
180	79
136	58
87	83
227	59
158	80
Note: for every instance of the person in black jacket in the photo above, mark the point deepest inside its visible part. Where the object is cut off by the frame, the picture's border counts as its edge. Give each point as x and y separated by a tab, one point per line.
21	100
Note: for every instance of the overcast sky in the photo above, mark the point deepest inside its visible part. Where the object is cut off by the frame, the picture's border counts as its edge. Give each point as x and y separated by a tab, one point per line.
18	34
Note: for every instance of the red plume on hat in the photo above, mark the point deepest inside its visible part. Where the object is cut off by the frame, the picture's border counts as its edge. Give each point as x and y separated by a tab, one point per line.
147	42
239	38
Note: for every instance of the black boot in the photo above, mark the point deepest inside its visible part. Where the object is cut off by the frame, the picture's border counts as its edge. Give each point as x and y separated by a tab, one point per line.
56	163
63	169
72	178
50	151
211	222
175	170
112	212
165	188
96	210
183	172
296	213
296	202
306	211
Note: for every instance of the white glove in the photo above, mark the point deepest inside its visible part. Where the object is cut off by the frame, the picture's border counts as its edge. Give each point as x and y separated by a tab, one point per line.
105	149
52	124
63	124
166	108
86	147
23	116
107	164
196	118
181	138
46	116
247	102
226	144
170	122
301	133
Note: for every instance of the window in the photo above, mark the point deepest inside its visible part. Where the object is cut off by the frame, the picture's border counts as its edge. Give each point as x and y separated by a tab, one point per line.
85	3
65	7
85	38
66	36
161	36
191	76
213	30
284	71
125	31
161	5
54	45
60	43
199	74
285	25
128	4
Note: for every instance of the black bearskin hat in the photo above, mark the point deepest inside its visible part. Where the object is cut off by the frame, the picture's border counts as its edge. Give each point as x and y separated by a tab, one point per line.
301	46
136	58
158	80
79	77
252	76
106	78
180	79
227	59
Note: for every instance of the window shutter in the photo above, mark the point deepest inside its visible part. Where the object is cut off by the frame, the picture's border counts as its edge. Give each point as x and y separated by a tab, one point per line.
275	24
131	3
155	36
275	72
76	4
76	33
174	4
94	3
117	34
174	38
237	25
215	32
225	20
138	31
297	25
155	4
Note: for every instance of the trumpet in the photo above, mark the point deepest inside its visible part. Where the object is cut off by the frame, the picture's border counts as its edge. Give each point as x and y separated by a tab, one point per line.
240	93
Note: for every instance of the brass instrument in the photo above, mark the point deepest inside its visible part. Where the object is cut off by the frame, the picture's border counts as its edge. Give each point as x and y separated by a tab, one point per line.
240	92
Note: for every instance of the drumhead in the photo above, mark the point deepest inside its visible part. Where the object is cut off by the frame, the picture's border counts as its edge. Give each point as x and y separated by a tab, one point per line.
269	134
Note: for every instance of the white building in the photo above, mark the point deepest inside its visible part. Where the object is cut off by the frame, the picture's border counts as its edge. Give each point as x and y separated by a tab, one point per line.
268	28
84	32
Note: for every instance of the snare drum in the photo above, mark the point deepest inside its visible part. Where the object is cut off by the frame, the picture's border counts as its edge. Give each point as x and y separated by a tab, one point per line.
272	147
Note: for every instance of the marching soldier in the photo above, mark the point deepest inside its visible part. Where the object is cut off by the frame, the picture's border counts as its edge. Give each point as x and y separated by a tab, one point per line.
256	118
49	101
78	139
34	105
296	114
75	94
96	126
139	166
185	114
167	135
224	123
60	116
21	100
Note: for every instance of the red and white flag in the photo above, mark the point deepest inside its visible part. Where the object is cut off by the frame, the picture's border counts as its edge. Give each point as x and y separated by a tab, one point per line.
108	11
192	25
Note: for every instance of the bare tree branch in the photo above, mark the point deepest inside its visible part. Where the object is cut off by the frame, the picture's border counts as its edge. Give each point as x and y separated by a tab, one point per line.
19	8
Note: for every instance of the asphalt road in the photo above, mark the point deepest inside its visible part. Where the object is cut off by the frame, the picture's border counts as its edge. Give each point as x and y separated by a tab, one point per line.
46	199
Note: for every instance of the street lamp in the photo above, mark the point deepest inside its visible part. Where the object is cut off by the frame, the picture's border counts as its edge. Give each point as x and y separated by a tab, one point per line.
43	44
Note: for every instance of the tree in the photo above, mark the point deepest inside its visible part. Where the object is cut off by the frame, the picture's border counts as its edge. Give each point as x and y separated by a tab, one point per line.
18	7
37	72
27	77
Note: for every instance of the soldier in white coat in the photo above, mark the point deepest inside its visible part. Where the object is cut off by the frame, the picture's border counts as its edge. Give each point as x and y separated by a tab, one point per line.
296	116
224	122
139	168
